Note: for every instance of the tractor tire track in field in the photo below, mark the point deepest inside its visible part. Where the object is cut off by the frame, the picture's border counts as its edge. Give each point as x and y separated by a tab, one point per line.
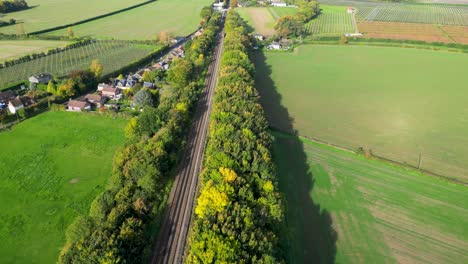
171	241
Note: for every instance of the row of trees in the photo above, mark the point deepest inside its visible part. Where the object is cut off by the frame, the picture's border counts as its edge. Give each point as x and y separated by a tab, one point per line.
120	221
239	211
7	6
293	26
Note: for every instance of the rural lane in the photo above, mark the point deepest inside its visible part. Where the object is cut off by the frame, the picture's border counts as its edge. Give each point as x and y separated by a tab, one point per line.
170	243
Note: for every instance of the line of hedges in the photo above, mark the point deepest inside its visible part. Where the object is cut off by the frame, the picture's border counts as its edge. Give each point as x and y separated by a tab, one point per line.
239	210
89	19
121	220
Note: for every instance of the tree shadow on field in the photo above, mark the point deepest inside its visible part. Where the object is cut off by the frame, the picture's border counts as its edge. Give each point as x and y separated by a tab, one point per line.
308	235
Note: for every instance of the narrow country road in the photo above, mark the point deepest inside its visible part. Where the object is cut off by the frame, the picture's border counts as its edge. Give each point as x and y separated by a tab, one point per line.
171	241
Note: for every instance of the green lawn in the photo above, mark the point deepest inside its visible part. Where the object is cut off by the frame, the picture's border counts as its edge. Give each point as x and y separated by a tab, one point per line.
52	13
399	102
51	167
343	208
16	48
180	17
262	19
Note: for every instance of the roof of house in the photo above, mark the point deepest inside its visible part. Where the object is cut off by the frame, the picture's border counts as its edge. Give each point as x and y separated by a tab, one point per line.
42	75
109	89
7	95
16	102
77	104
93	97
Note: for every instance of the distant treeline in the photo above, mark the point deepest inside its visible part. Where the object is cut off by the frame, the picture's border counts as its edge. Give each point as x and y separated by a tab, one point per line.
239	211
7	6
121	221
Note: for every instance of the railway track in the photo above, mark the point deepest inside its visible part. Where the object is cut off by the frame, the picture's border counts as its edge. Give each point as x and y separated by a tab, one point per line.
170	243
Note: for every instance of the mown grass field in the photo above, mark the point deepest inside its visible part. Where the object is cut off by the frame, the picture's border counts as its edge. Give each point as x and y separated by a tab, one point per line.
52	13
178	17
332	21
112	54
16	48
51	167
398	102
343	208
262	19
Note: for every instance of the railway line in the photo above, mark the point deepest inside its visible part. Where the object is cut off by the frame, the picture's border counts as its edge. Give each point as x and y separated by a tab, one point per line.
170	243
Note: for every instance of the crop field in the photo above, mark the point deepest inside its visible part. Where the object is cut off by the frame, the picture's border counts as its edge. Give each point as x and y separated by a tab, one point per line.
16	48
112	54
263	19
427	13
178	17
52	13
399	102
51	167
333	20
413	31
343	208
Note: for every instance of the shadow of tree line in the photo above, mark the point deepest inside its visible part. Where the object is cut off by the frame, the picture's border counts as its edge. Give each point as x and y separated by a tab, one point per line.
308	235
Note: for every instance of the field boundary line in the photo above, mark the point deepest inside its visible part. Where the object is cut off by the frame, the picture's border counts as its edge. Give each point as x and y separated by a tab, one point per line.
373	156
42	31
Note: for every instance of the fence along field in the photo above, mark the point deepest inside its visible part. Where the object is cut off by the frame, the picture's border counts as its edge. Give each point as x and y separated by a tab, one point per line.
332	21
422	13
112	54
380	213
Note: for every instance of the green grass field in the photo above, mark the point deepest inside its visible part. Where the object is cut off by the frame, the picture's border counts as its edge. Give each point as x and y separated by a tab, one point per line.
343	208
179	17
262	19
52	13
10	49
332	21
398	102
51	167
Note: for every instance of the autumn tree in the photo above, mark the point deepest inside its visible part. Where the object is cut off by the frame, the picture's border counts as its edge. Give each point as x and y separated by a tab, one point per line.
70	33
288	26
96	68
51	87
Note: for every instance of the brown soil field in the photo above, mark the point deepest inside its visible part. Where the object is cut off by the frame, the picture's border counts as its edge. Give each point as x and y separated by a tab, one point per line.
413	31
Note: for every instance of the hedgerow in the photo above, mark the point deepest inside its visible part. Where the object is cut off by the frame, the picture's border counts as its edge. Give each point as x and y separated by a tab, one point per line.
239	209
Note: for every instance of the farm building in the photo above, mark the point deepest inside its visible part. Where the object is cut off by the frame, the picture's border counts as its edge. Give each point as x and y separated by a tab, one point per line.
7	96
78	106
96	99
43	78
14	105
279	4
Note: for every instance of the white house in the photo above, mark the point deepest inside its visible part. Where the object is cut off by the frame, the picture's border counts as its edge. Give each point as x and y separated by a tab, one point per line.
43	78
274	46
78	106
279	4
102	86
14	105
218	6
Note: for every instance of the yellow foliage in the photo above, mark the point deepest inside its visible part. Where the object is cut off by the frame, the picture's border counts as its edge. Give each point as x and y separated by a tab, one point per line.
210	200
268	186
181	107
228	174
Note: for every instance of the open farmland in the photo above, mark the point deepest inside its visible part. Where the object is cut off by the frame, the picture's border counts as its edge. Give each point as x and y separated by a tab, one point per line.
52	13
10	49
413	31
398	102
52	167
421	13
343	208
178	17
263	19
112	54
332	21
